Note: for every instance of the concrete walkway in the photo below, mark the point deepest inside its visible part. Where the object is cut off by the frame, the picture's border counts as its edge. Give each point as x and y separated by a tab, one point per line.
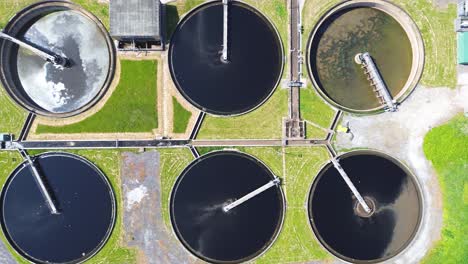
143	222
401	135
5	255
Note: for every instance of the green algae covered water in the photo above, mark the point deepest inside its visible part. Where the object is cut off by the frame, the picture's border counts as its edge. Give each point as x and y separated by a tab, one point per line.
347	33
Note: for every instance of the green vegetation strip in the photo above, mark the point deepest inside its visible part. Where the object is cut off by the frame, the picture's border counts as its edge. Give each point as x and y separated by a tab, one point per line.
437	29
8	8
131	108
435	24
109	162
296	242
446	148
181	117
12	115
315	110
264	122
172	162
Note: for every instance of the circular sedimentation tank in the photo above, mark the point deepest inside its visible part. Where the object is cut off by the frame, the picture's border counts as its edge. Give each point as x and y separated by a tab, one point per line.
253	69
352	27
65	29
210	183
85	202
343	226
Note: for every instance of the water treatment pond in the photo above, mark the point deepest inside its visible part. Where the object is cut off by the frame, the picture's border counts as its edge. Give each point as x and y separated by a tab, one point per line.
254	52
197	201
351	31
48	88
386	184
85	201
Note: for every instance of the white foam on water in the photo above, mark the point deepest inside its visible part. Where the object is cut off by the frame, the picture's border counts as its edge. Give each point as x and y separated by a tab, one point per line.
51	31
46	94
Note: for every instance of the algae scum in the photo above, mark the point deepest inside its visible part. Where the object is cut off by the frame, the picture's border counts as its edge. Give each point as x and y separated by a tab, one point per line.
352	31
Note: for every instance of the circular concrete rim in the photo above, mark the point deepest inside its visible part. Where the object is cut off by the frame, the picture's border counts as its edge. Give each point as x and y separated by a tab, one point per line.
408	25
103	177
65	5
258	12
273	239
420	195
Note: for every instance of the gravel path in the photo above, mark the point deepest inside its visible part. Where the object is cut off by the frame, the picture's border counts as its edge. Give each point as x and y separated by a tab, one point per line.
401	134
143	223
5	255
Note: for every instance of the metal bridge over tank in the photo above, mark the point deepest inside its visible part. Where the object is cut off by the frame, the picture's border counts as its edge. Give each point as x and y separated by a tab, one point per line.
373	75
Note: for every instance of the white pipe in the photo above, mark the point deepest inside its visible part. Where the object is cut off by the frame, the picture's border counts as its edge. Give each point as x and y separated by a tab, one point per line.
350	185
53	58
252	194
224	56
42	187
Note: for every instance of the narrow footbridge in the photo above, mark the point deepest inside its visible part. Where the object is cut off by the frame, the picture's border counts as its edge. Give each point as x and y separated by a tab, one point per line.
373	75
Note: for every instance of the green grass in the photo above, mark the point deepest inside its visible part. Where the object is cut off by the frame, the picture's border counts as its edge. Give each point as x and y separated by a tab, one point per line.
446	148
172	162
436	27
313	132
131	108
465	193
181	117
315	110
12	115
8	8
296	242
264	122
271	156
437	30
109	162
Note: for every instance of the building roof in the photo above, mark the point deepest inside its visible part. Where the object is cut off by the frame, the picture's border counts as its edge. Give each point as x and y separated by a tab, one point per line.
462	48
135	18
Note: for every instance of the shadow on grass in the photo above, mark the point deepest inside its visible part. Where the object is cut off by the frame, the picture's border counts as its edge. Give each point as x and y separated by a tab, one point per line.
172	18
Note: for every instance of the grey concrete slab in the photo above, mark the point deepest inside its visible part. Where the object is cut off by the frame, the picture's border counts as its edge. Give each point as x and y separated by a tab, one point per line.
5	255
143	223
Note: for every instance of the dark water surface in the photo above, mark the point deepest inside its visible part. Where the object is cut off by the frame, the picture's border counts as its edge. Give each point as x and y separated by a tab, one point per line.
85	201
388	230
225	88
205	187
352	31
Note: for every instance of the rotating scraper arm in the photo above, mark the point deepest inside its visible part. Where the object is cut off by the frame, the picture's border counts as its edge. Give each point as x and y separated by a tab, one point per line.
48	56
252	194
224	56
